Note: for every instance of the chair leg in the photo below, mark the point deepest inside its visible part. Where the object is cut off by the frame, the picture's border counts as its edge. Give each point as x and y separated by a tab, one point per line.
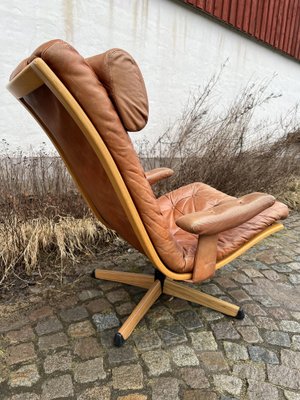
184	292
138	313
156	286
129	278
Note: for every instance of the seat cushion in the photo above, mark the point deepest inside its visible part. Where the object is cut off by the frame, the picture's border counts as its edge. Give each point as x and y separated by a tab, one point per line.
199	197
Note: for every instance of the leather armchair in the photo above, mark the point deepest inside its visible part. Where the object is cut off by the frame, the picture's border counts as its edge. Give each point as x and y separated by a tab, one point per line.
86	107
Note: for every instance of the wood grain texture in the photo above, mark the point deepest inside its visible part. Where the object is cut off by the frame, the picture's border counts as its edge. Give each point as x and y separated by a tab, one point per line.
141	309
129	278
195	296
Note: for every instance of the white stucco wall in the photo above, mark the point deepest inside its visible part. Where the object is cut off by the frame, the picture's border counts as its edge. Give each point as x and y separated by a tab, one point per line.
177	50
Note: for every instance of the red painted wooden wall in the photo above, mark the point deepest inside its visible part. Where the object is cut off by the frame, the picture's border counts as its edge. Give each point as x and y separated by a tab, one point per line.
275	22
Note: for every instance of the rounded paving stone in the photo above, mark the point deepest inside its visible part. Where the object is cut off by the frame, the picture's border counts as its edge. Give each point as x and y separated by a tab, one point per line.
20	353
184	356
123	355
89	294
290	326
235	351
258	390
23	335
87	347
57	388
49	325
24	376
260	354
250	334
95	393
61	361
127	377
74	314
250	370
157	362
172	334
105	321
213	360
146	340
203	341
290	358
81	329
53	341
230	384
89	371
278	338
118	296
189	319
266	323
284	376
194	378
159	317
165	389
98	306
225	330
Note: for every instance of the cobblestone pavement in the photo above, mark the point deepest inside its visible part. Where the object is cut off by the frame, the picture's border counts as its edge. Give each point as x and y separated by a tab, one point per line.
59	345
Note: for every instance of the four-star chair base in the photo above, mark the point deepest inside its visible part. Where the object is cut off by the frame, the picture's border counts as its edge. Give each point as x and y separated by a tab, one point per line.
157	285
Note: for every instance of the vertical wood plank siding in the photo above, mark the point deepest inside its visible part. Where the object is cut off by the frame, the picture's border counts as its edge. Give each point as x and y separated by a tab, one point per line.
275	22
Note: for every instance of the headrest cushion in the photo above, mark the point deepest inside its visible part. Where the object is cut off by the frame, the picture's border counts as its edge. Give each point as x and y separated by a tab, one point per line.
123	81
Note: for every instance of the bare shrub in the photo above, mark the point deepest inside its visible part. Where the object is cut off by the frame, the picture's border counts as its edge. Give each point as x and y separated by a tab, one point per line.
228	152
37	184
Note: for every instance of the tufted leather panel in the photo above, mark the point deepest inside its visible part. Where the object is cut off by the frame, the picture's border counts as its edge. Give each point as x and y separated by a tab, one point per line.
199	197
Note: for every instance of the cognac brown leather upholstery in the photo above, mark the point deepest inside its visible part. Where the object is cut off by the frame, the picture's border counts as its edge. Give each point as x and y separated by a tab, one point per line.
199	196
124	83
157	174
111	112
226	215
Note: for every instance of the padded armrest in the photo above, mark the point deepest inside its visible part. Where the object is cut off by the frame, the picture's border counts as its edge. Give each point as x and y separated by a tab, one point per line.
226	215
158	174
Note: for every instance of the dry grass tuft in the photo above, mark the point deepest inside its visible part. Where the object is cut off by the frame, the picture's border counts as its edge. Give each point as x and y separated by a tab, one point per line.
43	219
25	244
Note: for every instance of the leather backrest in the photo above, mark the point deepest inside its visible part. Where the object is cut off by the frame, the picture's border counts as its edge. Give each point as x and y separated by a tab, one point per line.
80	79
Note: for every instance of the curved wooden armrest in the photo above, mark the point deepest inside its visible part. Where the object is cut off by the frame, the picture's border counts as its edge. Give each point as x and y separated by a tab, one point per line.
227	214
207	224
158	174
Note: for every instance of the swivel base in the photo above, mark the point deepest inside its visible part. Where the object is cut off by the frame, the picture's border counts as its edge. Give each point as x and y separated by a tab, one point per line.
157	285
